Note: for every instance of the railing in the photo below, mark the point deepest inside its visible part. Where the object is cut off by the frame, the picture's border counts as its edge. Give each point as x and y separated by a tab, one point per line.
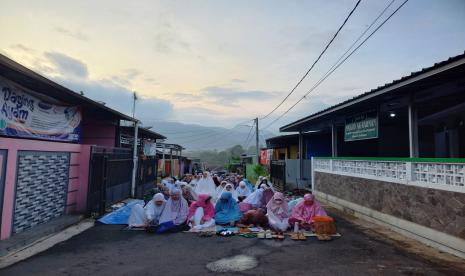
444	174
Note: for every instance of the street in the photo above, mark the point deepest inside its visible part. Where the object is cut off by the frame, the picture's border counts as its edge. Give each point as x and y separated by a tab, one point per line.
107	250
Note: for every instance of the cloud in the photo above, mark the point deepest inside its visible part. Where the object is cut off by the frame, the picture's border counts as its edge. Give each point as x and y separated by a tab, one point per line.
74	34
168	40
231	96
238	81
73	73
151	80
22	48
66	65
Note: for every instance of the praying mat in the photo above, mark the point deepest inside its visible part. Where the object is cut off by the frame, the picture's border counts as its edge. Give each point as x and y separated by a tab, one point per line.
121	215
311	234
209	229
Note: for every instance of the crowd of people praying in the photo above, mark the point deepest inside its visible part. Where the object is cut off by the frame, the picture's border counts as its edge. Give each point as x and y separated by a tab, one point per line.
202	201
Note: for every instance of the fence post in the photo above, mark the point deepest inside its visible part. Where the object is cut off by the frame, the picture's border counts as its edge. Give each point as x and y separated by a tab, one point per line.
312	167
409	171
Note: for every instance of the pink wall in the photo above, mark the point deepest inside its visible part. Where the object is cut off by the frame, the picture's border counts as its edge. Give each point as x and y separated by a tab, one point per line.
78	175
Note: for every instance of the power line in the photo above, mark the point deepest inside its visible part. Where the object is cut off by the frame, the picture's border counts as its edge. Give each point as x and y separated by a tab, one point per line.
246	143
315	62
218	136
337	65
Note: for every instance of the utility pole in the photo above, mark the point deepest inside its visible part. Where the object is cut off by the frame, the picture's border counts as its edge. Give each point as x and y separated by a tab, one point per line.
257	140
134	104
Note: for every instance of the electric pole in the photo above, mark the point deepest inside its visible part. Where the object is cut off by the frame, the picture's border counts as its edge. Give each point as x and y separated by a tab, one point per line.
134	98
257	140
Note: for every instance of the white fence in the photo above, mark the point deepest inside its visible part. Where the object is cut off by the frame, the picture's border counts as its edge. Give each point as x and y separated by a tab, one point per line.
442	176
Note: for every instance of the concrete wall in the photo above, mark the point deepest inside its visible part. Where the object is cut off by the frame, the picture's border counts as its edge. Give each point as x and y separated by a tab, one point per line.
76	198
436	217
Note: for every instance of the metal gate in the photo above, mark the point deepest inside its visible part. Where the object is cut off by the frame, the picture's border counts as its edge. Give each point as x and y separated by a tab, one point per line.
278	174
110	177
146	175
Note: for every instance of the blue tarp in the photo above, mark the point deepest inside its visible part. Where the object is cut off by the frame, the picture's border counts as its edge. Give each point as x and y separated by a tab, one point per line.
121	215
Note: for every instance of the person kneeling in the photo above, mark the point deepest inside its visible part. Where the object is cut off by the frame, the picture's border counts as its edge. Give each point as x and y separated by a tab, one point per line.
277	213
305	211
201	213
174	215
227	210
148	215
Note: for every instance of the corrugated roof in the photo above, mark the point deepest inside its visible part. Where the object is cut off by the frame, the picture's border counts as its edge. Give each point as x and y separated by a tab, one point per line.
24	76
426	70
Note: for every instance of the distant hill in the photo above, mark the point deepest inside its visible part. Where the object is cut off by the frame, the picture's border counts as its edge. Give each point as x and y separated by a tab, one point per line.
196	137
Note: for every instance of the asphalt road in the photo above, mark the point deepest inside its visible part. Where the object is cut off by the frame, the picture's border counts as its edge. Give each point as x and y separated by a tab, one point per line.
107	250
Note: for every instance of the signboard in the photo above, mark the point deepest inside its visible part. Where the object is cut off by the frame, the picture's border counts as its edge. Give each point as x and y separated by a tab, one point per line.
23	115
150	148
361	127
265	156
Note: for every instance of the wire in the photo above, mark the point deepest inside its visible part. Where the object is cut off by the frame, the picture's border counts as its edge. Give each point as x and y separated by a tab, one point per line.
208	139
315	62
246	143
337	65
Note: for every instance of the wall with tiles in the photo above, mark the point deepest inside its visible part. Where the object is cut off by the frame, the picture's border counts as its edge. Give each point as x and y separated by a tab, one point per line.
75	183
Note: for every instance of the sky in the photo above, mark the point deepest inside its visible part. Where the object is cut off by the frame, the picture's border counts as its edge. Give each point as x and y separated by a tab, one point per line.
219	63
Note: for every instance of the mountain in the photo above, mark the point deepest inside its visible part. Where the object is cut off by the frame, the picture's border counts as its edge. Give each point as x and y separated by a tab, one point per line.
196	137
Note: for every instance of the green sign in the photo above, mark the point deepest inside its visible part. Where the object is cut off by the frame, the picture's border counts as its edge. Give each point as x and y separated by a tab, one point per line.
361	127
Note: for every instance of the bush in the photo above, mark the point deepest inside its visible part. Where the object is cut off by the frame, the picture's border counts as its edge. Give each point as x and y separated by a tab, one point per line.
259	170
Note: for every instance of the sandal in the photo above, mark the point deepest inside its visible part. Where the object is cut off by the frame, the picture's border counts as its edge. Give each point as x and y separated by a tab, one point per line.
268	234
280	236
302	236
295	236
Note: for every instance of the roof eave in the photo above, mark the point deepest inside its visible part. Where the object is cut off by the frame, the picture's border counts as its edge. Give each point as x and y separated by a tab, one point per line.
422	75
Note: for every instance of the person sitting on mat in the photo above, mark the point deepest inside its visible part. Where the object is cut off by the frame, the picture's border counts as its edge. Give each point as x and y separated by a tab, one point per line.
226	209
277	213
201	213
174	215
253	218
148	215
305	210
242	191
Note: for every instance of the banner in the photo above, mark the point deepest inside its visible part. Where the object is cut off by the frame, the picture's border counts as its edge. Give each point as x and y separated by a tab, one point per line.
23	115
150	148
265	155
361	127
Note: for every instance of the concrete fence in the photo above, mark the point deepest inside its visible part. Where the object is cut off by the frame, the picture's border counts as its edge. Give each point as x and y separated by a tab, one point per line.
421	198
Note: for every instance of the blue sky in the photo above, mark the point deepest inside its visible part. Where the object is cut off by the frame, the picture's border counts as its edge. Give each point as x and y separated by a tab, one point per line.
218	63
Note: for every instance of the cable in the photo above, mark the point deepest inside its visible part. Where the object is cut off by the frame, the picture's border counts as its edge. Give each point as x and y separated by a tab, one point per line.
218	135
315	62
246	143
337	65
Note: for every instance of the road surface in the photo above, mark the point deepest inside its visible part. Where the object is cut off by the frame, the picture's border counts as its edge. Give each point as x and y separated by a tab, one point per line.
107	250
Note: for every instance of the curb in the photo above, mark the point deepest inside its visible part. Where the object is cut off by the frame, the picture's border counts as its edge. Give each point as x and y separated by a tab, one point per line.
45	243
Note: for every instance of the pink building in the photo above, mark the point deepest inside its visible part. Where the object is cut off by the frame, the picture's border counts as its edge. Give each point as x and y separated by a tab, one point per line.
46	136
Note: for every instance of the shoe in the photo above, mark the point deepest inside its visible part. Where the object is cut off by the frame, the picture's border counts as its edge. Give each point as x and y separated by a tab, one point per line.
295	236
268	234
302	236
261	235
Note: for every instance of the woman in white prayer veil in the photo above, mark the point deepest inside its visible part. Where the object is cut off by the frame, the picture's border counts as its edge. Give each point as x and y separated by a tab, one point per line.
195	180
206	185
229	188
148	215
